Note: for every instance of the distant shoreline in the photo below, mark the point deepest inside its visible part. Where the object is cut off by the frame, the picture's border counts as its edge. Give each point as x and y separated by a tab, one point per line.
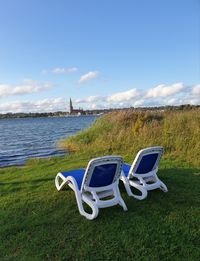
29	116
97	112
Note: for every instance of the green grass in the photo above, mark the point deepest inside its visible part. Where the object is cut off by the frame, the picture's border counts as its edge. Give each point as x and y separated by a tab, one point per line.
38	223
126	132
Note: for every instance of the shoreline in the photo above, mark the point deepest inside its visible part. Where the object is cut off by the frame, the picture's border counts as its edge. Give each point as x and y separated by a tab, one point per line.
34	158
44	117
97	112
22	140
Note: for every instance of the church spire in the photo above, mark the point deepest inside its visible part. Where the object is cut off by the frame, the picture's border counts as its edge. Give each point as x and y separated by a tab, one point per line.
70	106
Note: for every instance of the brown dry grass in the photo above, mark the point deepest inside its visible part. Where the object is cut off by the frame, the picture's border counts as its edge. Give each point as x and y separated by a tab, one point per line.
127	131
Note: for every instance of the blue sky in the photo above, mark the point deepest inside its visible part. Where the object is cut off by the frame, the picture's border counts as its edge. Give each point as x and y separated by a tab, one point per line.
102	53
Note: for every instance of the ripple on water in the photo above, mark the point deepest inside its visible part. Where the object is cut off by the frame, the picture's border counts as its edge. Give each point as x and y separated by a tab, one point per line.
21	139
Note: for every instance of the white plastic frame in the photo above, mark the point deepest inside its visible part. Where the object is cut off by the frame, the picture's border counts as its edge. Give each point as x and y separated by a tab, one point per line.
142	180
94	196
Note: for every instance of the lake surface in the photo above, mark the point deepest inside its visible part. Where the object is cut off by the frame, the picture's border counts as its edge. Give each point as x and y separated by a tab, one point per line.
21	139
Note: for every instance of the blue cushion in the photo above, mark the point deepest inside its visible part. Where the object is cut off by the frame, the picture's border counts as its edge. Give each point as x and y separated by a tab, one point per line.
147	163
103	175
126	168
78	174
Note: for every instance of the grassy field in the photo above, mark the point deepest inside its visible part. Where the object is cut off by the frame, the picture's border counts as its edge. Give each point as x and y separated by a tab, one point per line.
38	223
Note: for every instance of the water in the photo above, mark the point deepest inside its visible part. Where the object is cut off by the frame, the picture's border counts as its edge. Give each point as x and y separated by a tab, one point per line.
21	139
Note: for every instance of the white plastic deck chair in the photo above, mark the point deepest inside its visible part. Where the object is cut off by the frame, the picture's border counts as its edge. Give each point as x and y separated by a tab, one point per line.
144	171
99	180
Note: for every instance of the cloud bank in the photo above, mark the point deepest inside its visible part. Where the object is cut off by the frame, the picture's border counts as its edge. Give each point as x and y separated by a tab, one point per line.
174	94
28	86
45	105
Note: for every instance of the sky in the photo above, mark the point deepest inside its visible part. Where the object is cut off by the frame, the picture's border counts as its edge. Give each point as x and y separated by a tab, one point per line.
101	53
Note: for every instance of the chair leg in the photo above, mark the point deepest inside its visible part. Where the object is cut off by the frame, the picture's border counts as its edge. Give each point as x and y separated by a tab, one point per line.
163	187
80	198
121	201
141	188
59	185
128	183
92	205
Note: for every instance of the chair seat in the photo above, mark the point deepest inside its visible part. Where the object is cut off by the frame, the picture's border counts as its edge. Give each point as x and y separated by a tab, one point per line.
77	174
126	167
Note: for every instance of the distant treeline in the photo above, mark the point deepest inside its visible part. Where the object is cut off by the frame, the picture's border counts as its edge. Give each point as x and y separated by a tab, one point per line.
11	115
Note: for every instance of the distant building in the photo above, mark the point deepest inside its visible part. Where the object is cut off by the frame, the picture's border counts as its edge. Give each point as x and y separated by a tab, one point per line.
73	111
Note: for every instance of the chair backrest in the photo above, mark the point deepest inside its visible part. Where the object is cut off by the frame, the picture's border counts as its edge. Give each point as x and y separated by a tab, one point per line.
102	172
147	160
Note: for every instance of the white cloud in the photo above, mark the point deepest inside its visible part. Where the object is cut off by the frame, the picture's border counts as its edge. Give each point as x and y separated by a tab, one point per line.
196	89
132	97
62	70
91	99
188	99
45	105
95	106
88	76
28	86
139	102
164	90
114	98
123	96
175	94
194	101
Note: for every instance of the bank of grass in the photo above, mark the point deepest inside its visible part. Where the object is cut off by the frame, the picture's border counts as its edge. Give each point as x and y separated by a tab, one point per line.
127	131
38	223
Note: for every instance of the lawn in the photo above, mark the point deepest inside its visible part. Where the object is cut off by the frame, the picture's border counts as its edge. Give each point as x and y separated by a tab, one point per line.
39	223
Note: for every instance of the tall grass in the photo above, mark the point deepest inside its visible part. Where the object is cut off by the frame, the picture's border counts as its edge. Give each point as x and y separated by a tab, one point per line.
127	131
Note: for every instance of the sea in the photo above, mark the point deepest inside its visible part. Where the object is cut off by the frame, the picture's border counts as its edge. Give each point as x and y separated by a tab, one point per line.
25	138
